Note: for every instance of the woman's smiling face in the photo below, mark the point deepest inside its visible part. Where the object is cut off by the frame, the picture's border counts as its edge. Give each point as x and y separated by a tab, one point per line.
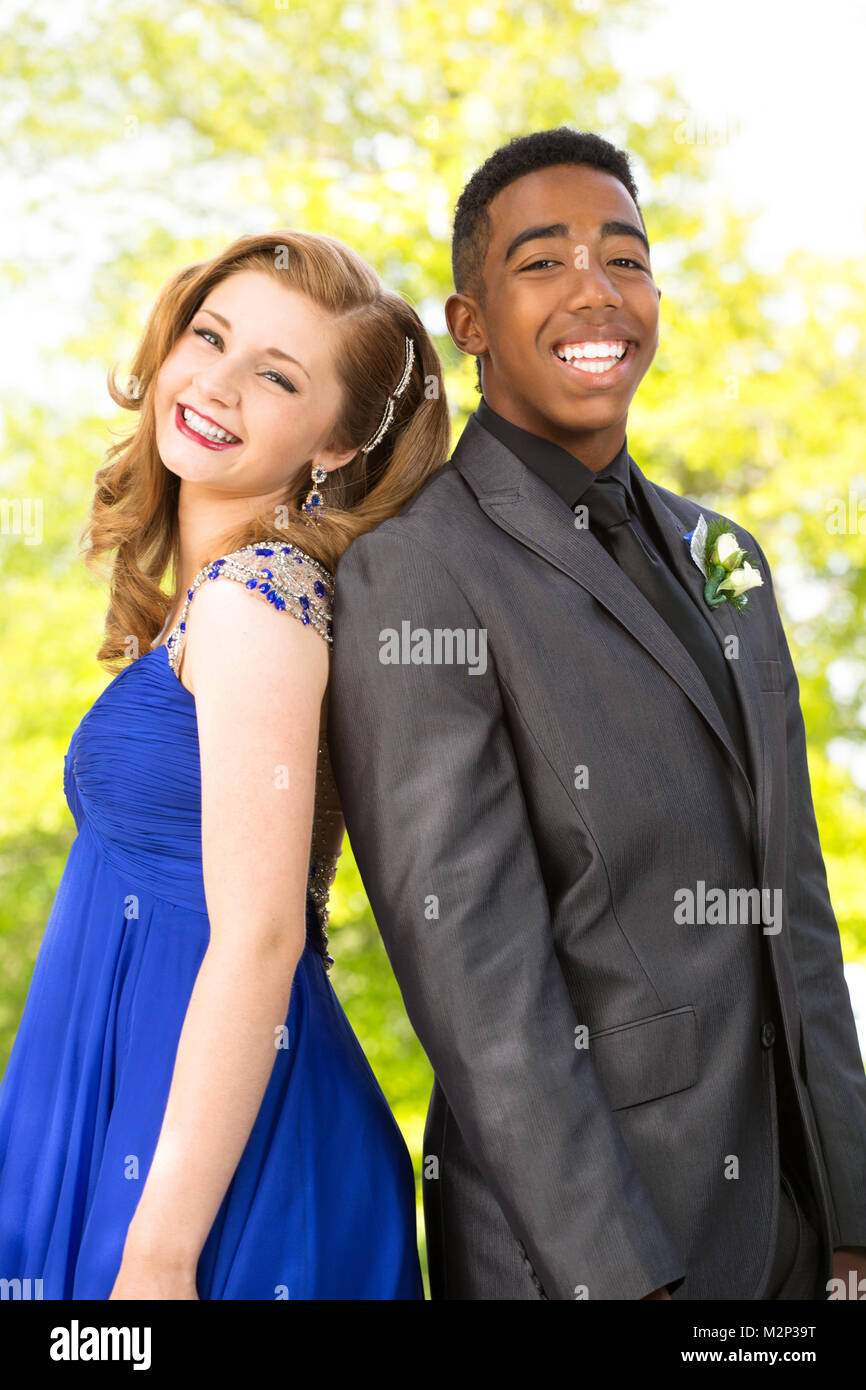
249	395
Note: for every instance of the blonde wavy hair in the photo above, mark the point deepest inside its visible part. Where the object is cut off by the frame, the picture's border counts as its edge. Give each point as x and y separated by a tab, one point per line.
134	510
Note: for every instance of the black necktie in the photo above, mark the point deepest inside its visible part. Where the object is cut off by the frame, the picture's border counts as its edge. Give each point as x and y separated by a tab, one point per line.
614	523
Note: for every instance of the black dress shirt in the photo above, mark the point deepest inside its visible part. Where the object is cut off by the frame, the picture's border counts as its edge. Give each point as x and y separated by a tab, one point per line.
565	473
553	464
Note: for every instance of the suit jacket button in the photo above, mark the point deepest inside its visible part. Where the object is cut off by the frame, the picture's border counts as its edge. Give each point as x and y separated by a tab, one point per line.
768	1035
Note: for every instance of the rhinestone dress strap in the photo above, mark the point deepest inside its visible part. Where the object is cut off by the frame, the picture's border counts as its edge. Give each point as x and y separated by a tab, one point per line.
286	576
294	582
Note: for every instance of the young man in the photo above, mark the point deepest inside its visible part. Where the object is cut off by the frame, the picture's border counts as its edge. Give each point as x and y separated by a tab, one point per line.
575	782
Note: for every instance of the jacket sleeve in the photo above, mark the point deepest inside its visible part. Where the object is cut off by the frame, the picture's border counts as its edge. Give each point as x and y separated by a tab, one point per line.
836	1082
436	818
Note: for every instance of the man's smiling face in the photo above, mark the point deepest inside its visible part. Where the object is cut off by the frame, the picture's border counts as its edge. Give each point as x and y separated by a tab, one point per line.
567	275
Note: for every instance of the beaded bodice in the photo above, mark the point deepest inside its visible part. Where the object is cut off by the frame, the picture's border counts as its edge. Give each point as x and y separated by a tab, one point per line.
292	581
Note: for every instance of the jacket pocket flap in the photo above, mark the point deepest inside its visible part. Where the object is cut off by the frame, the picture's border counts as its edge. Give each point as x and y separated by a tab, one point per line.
770	675
647	1058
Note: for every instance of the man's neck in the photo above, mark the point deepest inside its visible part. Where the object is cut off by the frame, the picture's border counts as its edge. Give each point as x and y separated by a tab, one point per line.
595	448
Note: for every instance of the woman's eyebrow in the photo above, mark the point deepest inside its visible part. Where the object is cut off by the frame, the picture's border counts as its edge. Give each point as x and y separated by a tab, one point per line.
274	352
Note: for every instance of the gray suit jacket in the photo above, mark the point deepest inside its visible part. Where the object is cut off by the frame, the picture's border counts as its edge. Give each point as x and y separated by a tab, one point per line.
604	1117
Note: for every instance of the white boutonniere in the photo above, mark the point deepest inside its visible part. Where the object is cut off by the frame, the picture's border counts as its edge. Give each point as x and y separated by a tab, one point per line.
722	562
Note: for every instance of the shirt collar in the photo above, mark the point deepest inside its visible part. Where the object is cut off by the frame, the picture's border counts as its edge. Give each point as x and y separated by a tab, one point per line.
555	466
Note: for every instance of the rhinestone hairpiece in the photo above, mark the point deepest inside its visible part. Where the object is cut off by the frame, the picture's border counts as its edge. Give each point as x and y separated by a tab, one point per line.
389	406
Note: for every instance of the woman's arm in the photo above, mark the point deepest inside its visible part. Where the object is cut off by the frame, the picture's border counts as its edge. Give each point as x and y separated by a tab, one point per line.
258	696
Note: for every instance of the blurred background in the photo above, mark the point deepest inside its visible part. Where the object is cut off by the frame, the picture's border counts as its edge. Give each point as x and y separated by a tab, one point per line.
139	138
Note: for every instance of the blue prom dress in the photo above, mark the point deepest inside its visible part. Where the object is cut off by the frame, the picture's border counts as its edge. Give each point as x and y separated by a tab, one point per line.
322	1203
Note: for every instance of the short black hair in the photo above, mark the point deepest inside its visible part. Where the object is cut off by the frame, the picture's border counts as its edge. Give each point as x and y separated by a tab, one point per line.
523	155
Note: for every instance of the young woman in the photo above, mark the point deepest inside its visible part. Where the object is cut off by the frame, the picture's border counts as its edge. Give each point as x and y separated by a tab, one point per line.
186	1112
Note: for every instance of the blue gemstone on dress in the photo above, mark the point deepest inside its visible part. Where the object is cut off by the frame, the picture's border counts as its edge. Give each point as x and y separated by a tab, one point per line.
251	584
264	551
214	572
189	593
304	601
305	618
183	627
268	574
279	602
319	588
264	587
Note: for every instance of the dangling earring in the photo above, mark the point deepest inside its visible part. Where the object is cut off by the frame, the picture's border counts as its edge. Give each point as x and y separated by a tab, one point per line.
314	506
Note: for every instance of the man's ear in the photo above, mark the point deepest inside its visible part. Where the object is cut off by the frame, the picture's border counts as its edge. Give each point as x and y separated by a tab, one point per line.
466	323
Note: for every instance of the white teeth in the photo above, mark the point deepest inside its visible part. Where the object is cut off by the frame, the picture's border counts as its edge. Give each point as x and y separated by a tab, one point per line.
205	428
608	354
595	368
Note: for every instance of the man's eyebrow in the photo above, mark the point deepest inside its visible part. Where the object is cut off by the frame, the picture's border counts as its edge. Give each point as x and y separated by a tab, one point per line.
532	234
625	229
560	229
274	352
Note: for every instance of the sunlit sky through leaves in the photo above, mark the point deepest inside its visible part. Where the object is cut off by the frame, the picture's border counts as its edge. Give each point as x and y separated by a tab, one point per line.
772	89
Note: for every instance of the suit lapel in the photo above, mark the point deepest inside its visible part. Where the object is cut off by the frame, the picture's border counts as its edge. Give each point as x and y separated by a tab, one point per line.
520	503
724	621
